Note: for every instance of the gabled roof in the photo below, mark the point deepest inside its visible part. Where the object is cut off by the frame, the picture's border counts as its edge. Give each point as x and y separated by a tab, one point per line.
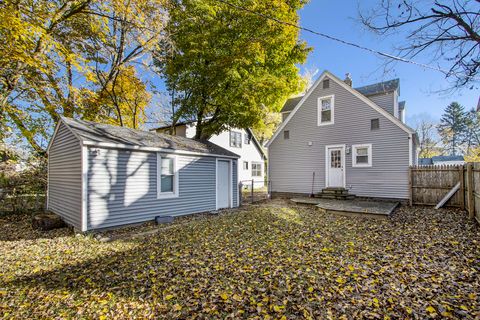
369	90
291	103
250	132
362	97
381	87
122	137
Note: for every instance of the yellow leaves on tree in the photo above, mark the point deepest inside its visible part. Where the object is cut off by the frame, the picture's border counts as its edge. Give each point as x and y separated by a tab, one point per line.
122	102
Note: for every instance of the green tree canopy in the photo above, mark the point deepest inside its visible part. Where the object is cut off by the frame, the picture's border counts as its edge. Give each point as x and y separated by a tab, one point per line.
229	68
453	128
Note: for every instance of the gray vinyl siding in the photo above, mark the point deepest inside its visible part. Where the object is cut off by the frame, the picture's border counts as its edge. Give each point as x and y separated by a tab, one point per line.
65	177
235	182
385	101
122	187
292	162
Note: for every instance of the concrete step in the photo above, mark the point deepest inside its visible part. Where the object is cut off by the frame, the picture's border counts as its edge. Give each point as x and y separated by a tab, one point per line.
334	191
335	196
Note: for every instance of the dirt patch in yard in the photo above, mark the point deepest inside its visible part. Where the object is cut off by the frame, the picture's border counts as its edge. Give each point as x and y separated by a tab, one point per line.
272	260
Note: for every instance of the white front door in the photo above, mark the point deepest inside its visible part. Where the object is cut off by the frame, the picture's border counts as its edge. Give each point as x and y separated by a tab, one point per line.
223	184
335	167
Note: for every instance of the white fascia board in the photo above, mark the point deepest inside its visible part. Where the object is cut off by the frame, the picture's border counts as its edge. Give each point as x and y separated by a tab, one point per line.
153	149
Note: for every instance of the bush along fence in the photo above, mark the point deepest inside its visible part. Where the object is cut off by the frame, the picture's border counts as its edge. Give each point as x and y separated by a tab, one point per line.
430	184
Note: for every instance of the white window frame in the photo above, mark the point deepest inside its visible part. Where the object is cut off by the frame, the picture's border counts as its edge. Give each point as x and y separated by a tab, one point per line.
167	195
355	147
332	110
261	168
236	133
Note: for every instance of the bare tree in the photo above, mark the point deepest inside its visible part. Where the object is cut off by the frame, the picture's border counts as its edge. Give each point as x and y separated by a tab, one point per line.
443	30
428	143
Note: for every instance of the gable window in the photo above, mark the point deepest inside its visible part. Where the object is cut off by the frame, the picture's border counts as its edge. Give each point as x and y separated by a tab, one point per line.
256	169
286	134
248	138
245	165
235	139
167	176
375	124
362	155
326	107
326	84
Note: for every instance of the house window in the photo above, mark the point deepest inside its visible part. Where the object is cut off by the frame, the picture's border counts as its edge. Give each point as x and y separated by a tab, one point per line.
362	155
248	138
375	124
286	134
235	139
326	84
325	110
167	176
245	165
256	169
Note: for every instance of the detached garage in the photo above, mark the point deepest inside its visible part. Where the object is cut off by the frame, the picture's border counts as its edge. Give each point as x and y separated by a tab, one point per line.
102	176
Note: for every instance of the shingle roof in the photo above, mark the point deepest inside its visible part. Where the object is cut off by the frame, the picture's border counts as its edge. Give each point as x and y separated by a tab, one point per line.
98	132
381	87
425	161
291	103
181	123
447	158
436	159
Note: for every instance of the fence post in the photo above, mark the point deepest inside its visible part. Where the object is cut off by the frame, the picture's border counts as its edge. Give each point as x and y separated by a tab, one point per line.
470	190
462	187
410	185
252	191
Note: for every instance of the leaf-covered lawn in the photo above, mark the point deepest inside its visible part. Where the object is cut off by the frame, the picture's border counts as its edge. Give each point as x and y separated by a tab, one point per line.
273	261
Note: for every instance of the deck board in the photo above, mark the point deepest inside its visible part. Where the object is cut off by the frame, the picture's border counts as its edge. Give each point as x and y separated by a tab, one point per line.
351	207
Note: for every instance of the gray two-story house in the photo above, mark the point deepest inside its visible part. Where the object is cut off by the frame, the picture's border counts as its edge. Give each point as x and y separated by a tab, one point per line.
336	136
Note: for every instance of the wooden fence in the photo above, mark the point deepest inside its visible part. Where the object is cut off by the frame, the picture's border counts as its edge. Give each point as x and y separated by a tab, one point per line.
429	184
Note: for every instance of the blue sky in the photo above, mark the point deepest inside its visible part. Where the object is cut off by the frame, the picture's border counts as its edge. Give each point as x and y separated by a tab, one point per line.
340	19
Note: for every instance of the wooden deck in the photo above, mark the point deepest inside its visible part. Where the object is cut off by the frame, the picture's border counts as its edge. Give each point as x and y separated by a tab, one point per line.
361	208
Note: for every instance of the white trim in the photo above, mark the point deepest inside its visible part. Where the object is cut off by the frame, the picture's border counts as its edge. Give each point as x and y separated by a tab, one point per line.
395	105
216	184
386	114
84	188
238	190
48	182
57	127
354	155
327	162
410	149
332	110
153	149
167	195
230	185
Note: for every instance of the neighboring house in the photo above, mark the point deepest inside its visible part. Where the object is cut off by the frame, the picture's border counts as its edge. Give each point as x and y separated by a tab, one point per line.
240	141
349	138
103	176
442	161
